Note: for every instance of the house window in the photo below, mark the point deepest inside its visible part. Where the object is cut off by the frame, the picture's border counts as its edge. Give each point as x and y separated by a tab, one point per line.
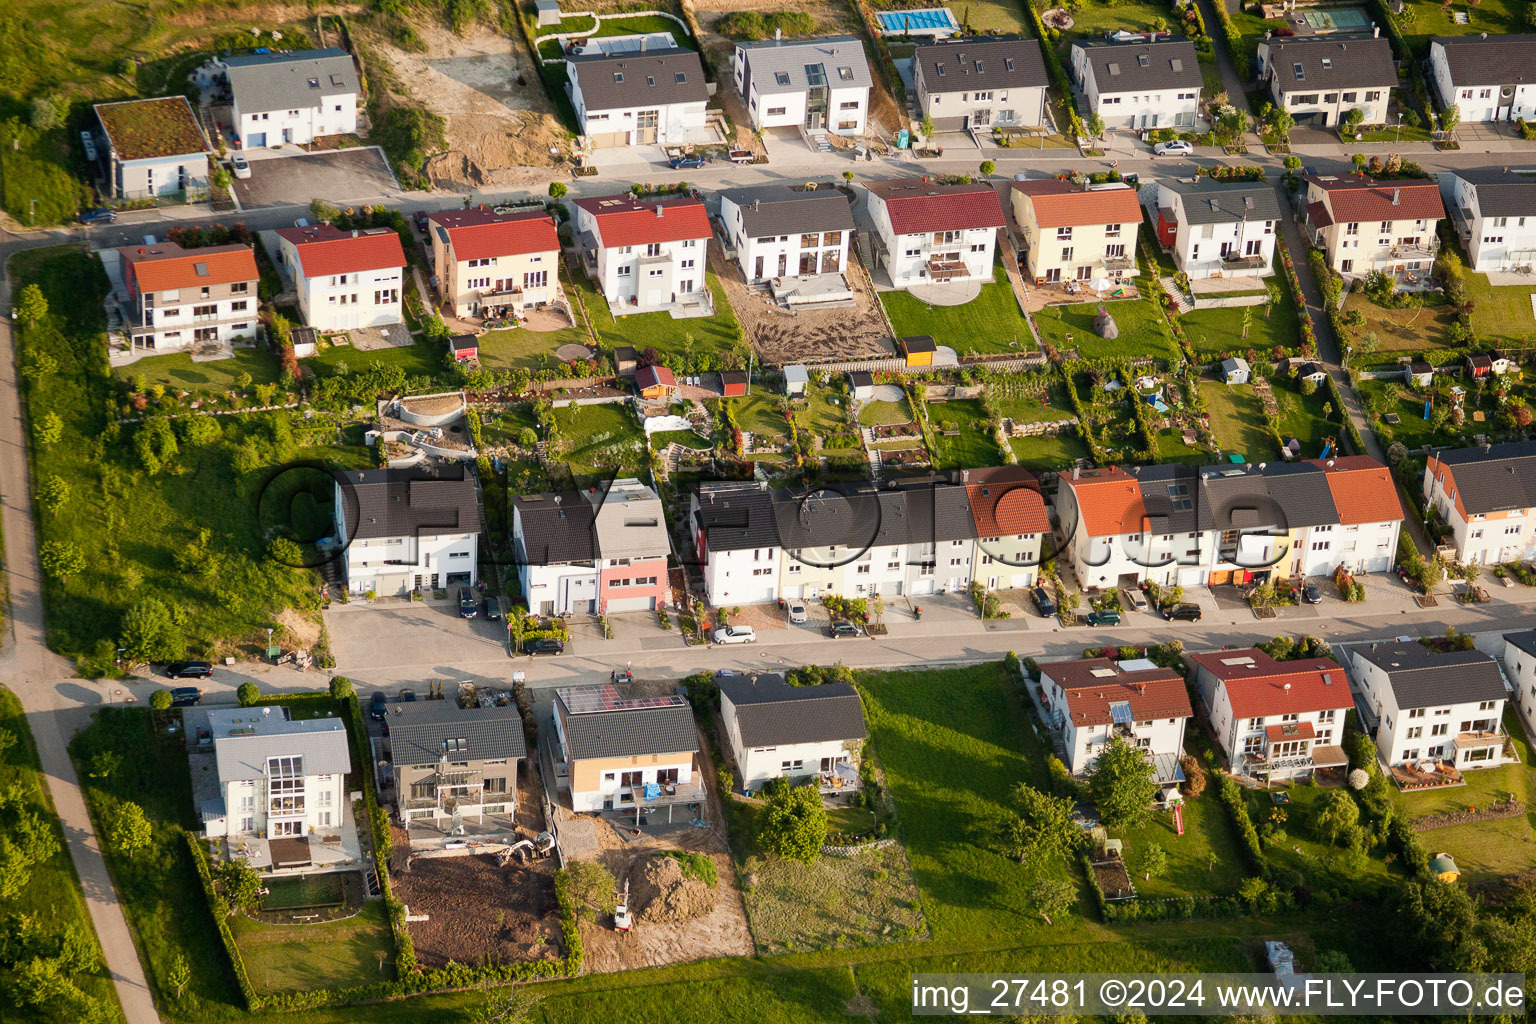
497	786
240	288
775	111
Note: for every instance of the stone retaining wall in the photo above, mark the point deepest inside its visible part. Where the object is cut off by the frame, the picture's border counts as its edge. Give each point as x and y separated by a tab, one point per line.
1429	822
849	851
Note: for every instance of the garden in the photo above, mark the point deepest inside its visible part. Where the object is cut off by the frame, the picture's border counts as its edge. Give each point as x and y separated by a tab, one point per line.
962	435
1219	332
1237	420
991	322
349	953
1143	334
1501	314
598	441
692	345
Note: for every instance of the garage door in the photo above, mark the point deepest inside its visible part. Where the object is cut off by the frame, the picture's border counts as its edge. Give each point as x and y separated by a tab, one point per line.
1189	577
764	595
924	586
631	604
255	140
1312	118
794	593
610	140
891	587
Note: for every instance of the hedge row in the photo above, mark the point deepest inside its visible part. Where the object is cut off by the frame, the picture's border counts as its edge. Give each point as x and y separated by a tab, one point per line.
1329	286
1231	795
1058	74
1235	45
1308	328
221	921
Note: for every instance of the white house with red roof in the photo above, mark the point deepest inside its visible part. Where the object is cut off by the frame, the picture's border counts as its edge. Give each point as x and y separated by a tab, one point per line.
646	255
929	233
1275	719
1364	226
174	298
1011	523
346	280
1095	700
487	263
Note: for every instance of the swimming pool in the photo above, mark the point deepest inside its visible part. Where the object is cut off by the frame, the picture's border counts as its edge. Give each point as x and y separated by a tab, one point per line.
1343	18
929	21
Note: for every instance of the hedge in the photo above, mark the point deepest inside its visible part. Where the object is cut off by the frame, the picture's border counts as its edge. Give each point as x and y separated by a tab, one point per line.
1235	45
1231	795
221	921
1053	66
1329	286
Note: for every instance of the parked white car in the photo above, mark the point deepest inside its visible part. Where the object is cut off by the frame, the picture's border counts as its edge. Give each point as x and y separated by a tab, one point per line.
796	613
1178	147
735	635
1137	599
240	166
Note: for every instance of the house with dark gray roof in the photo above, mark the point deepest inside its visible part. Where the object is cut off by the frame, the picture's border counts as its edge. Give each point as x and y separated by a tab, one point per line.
1520	670
1433	708
1216	229
626	753
1494	210
782	231
454	768
980	84
799	733
291	97
408	529
1486	494
820	85
1487	77
1320	79
736	537
651	97
1140	84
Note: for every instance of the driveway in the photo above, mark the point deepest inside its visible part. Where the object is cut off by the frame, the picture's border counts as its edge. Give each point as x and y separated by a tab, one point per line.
429	634
294	178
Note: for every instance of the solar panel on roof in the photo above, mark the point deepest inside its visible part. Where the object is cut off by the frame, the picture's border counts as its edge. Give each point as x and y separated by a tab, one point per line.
586	700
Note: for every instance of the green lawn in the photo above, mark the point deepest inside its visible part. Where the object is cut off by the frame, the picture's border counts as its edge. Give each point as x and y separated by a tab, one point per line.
1424	20
417	360
527	350
335	954
1321	864
1501	314
991	322
50	896
1412	429
598	440
760	414
686	438
712	336
1192	871
876	414
1302	418
1217	333
177	370
1237	420
822	418
1143	331
1401	330
1034	408
1057	452
973	445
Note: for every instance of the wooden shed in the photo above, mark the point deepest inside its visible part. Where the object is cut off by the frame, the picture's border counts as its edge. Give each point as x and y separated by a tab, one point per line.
733	383
918	349
655	382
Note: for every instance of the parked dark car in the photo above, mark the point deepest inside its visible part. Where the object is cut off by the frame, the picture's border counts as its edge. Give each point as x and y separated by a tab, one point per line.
420	216
1106	617
544	645
98	216
188	669
842	628
376	705
1183	613
407	696
491	608
679	163
1311	594
468	606
186	696
1043	601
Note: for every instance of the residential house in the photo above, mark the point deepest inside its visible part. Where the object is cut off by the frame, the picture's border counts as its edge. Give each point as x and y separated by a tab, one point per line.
1077	232
291	96
408	529
1092	701
1370	515
1486	77
1217	229
174	298
1364	226
592	552
1318	80
617	753
778	231
1140	85
487	263
816	84
1103	519
1271	719
1495	214
655	382
979	84
345	279
736	538
1433	705
653	97
277	778
645	255
928	233
634	545
778	731
1011	525
1235	370
153	148
1520	670
1487	496
452	766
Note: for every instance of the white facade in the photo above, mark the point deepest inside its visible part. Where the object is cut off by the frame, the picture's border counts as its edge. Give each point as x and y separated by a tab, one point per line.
180	322
908	255
1327	108
1481	102
1493	242
787	254
394	566
276	778
649	276
1202	250
1135	108
1411	735
1520	671
664	125
796	762
343	302
329	115
1250	735
612	792
1086	741
1481	538
774	78
559	589
742	576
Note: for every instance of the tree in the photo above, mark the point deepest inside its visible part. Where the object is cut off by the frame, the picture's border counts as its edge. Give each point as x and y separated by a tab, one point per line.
322	211
179	974
48	429
47	112
926	124
1052	897
31	305
341	688
848	177
220	177
128	830
1450	117
793	822
1096	126
61	559
1040	825
592	889
1154	861
160	700
1281	122
150	633
53	495
1434	924
506	1006
1353	119
528	437
1358	161
558	189
239	884
987	167
248	694
1337	815
1123	785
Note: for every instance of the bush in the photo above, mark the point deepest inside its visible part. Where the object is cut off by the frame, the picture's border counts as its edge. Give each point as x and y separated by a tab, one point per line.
341	688
249	694
793	822
1231	795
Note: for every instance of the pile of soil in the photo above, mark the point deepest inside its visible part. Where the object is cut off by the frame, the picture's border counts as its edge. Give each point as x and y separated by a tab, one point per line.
659	888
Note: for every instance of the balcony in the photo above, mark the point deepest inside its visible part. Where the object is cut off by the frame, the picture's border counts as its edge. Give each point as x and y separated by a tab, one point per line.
1419	251
1237	261
947	270
1122	263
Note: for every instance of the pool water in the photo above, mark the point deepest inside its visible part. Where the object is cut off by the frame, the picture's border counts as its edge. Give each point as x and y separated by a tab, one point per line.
1346	18
917	21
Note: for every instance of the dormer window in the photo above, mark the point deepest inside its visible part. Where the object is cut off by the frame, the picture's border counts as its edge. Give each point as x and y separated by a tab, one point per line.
1327	63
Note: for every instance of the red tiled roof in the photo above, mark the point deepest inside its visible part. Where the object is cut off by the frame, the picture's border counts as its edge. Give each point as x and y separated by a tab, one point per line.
325	250
1291	731
1258	686
1005	500
917	206
1060	204
1360	199
1362	489
623	220
1108	501
480	234
1318	215
1151	693
166	266
651	376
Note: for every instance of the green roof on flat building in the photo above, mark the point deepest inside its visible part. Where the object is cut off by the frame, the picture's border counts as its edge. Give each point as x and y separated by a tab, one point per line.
143	129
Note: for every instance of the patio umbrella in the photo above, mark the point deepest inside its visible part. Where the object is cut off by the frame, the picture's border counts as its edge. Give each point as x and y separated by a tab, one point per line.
1100	284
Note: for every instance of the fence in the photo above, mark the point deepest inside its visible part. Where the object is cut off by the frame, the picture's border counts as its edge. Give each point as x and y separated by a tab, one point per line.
1228	301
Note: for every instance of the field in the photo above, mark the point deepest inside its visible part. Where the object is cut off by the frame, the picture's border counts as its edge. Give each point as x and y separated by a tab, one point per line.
1217	333
51	897
1501	314
991	322
1237	420
337	954
972	446
1143	333
512	916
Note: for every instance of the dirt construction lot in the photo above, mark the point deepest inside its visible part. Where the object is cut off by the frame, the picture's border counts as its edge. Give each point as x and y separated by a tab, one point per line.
480	912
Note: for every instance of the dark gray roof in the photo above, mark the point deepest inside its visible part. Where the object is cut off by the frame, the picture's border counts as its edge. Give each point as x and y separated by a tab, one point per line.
782	210
244	739
1329	62
631	732
777	66
736	516
1220	202
1524	640
637	79
290	81
856	516
1495	479
1129	67
1489	60
424	730
970	64
1286	495
770	712
557	528
409	502
1423	678
1171	495
1501	193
